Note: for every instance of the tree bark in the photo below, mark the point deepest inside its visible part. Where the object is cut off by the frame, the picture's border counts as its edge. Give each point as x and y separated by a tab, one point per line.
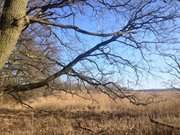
12	23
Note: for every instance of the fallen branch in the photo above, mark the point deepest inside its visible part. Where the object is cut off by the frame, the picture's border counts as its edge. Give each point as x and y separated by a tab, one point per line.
160	123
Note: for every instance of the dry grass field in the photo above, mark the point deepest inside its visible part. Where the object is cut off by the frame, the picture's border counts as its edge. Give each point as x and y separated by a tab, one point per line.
99	115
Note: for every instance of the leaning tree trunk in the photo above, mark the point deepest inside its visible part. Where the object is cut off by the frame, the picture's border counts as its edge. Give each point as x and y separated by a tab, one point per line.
12	23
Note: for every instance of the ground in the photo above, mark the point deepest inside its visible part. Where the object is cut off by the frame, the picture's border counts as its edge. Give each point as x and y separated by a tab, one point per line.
97	115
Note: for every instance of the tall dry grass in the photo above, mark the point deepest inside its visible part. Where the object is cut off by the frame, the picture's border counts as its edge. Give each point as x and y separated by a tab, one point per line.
96	115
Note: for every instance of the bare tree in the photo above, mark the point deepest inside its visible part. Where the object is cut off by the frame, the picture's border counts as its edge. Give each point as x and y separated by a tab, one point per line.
98	42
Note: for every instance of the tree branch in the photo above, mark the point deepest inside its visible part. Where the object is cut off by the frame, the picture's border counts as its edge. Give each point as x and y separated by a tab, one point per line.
66	69
72	27
160	123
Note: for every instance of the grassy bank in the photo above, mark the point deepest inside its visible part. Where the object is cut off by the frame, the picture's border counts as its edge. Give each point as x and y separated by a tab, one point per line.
96	115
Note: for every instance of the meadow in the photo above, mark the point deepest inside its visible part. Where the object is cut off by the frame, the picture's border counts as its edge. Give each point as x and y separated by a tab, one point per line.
97	114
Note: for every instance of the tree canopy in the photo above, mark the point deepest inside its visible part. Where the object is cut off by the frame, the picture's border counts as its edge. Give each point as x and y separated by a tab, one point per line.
107	44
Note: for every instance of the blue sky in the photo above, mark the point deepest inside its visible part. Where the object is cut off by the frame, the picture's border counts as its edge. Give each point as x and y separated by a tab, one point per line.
108	21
